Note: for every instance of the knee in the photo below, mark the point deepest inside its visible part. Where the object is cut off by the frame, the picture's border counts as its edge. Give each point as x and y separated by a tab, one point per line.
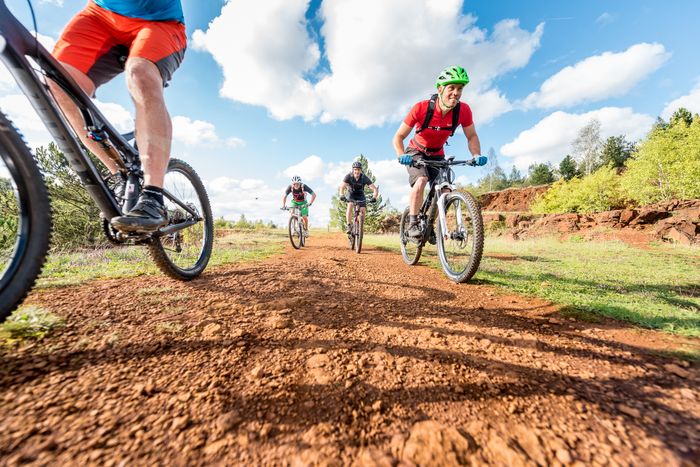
420	184
143	78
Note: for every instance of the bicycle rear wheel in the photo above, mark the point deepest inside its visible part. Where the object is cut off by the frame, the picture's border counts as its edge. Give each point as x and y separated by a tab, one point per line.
359	228
461	246
184	254
295	235
410	249
25	219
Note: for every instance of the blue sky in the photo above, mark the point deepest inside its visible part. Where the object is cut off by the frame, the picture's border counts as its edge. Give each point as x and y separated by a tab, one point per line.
281	87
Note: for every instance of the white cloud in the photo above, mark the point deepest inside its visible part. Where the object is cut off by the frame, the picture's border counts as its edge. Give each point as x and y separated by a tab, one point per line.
193	132
373	76
53	2
310	168
7	82
599	77
24	117
265	51
690	101
117	115
605	18
550	139
234	142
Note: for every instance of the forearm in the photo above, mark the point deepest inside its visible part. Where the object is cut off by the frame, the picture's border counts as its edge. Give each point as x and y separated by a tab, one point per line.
399	148
475	146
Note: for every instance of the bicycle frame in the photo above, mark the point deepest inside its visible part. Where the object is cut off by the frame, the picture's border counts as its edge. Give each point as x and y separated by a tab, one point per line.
435	196
16	44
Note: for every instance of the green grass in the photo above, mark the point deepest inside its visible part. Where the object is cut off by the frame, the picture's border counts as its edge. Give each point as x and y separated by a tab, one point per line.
71	268
28	322
658	288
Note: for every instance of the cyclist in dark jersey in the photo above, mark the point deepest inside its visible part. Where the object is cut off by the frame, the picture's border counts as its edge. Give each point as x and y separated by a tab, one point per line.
355	182
147	40
298	190
430	138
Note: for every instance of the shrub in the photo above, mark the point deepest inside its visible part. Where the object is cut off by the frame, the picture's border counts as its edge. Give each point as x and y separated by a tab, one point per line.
599	191
666	165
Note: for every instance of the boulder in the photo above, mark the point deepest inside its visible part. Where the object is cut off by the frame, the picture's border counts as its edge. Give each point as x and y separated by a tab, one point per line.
649	215
627	215
678	236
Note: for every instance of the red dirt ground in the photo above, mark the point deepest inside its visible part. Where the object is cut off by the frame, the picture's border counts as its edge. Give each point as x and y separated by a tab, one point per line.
326	357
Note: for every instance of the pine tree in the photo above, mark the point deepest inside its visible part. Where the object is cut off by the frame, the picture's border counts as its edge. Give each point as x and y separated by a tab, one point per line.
374	212
567	168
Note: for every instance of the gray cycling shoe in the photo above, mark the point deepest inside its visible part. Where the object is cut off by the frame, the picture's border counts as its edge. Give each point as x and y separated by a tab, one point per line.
414	231
146	216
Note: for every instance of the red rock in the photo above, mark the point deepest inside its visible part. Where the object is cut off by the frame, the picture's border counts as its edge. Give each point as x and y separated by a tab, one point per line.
627	215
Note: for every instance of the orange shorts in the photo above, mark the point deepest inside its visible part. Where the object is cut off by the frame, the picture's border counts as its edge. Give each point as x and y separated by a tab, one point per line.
98	42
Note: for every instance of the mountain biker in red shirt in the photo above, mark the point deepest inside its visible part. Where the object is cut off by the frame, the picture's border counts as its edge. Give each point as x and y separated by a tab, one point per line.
147	40
432	134
298	190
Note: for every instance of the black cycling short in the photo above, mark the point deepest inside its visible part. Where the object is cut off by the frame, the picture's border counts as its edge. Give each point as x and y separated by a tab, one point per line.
415	172
362	202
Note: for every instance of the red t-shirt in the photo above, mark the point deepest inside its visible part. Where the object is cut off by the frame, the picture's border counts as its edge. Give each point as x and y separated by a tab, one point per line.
435	138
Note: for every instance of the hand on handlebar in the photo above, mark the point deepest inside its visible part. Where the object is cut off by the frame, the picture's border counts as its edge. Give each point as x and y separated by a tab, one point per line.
480	160
344	199
406	159
373	199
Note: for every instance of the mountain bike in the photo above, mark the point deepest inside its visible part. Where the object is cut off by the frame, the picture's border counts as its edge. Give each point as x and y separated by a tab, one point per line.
181	249
460	230
358	226
297	231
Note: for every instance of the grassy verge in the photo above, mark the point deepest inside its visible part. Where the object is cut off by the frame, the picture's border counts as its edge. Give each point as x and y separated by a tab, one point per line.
72	268
28	322
657	288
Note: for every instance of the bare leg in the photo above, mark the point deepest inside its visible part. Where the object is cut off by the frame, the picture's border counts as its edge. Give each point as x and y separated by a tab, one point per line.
73	115
153	125
306	222
348	213
416	197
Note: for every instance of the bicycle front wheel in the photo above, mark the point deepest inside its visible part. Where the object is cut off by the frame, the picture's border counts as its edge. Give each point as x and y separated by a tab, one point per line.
461	244
359	228
25	219
295	232
410	248
184	254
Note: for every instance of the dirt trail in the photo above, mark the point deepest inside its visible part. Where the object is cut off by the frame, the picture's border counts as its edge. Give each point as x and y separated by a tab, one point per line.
325	357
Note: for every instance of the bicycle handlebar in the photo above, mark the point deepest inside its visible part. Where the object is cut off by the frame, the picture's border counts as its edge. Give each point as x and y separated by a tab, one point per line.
441	163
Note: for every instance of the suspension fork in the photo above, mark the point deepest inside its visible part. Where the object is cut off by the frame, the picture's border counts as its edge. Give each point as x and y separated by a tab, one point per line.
443	218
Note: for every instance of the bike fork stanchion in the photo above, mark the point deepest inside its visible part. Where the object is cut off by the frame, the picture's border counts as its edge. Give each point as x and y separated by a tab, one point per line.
441	216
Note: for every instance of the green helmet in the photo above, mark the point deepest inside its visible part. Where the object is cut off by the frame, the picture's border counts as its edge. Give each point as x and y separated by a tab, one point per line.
452	75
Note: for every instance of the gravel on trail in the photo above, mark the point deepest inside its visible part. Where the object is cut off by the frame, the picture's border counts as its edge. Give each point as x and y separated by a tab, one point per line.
325	357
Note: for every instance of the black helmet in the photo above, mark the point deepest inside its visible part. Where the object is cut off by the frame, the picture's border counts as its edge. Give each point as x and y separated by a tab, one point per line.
356	165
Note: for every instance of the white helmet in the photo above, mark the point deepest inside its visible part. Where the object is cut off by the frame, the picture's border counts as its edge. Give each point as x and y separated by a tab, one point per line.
296	179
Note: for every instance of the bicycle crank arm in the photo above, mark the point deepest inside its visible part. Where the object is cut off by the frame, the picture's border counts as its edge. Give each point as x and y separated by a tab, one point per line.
176	227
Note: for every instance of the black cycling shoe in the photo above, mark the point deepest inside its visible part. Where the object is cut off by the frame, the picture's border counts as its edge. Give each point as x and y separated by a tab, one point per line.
147	215
349	229
414	231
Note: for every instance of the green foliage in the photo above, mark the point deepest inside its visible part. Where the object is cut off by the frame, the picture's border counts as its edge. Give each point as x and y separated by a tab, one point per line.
667	163
616	151
375	212
9	216
599	191
29	322
655	288
567	168
515	178
540	174
76	219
